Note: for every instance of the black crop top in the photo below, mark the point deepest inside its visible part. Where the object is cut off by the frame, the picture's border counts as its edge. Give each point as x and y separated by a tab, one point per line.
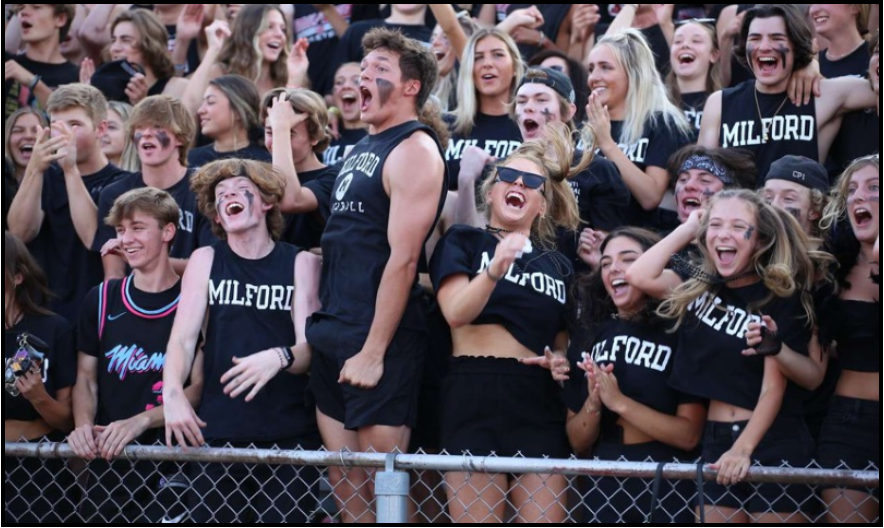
643	355
709	362
855	327
530	301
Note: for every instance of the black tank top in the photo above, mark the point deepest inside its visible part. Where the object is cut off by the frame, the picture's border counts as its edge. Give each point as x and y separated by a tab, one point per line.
790	130
250	310
355	247
855	326
159	87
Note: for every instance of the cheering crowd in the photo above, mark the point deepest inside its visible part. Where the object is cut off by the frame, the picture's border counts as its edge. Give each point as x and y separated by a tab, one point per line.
612	231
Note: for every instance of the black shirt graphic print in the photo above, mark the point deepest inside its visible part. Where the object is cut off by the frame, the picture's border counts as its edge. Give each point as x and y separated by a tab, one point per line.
499	136
127	330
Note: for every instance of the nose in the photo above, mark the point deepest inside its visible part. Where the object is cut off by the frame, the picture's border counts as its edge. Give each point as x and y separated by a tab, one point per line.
126	237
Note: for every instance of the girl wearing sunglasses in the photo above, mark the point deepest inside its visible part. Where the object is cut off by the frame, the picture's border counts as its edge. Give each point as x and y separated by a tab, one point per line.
504	290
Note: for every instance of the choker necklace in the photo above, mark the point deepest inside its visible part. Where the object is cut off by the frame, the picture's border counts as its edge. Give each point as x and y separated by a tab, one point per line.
497	230
764	127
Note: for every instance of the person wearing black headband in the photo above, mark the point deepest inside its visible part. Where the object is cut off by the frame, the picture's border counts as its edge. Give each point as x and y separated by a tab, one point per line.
504	290
744	323
799	186
699	173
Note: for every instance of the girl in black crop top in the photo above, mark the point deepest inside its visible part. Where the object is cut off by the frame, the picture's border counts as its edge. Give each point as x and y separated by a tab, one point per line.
851	322
625	406
504	290
744	328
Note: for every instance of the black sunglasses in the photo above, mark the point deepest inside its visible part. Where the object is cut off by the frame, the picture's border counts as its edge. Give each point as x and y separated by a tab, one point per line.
530	180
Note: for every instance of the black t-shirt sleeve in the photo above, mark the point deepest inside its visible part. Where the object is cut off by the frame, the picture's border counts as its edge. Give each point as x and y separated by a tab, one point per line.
792	324
454	255
64	375
88	341
105	232
322	188
664	142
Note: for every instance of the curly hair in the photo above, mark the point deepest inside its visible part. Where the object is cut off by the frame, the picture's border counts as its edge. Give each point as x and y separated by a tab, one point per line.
154	43
268	180
783	260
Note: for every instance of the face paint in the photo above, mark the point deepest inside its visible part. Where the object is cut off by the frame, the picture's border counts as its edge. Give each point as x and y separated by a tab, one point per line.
385	89
164	139
784	52
679	189
249	197
874	198
707	193
138	137
547	115
749	233
750	52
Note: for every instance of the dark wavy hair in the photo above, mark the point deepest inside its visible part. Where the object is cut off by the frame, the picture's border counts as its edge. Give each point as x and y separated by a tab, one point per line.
577	74
740	162
34	290
797	29
416	61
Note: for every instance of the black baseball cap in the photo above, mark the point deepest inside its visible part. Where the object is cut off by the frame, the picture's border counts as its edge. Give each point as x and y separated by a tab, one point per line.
555	79
803	171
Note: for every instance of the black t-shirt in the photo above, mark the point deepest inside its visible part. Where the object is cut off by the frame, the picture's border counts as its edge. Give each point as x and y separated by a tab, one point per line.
250	310
497	135
323	186
350	47
127	331
59	367
860	133
660	47
554	15
709	362
602	197
791	130
656	145
72	269
315	27
202	156
305	230
693	105
338	148
16	96
643	354
356	246
194	230
531	301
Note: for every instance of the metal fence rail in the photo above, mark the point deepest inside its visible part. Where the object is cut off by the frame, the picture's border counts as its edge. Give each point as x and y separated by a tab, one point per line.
45	482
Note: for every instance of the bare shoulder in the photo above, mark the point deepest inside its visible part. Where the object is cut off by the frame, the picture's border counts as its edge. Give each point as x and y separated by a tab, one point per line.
200	264
307	261
418	155
176	87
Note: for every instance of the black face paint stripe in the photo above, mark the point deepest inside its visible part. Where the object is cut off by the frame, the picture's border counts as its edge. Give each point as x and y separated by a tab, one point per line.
385	89
164	139
749	233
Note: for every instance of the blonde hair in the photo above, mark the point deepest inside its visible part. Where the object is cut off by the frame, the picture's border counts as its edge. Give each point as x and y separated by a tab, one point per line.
554	155
164	111
267	179
647	100
468	101
836	211
154	43
783	260
129	159
154	203
10	124
82	96
304	102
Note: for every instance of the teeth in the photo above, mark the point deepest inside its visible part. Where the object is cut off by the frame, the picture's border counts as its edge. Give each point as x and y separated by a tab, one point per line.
516	197
686	57
768	60
618	283
726	250
349	98
692	202
234	209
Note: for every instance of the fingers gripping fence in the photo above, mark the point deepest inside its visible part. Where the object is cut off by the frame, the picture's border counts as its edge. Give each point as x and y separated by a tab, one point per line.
45	483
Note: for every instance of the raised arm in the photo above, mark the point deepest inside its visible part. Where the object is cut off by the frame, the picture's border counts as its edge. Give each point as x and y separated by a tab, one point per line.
282	119
446	17
94	33
209	69
649	273
26	211
84	212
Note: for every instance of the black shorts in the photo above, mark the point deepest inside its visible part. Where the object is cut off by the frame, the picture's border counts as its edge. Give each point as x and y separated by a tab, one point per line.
787	442
504	408
851	436
618	500
256	494
393	403
427	433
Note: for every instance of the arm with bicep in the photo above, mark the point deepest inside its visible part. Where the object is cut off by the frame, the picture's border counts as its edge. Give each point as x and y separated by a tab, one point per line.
710	129
806	371
182	423
650	274
841	96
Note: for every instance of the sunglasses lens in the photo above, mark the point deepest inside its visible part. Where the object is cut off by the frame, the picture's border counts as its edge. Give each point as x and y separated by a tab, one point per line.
531	181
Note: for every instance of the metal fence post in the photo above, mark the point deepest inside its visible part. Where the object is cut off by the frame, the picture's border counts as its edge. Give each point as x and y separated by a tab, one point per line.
391	493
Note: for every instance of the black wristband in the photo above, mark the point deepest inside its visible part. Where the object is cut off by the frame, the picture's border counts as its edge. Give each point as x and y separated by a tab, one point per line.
287	357
771	344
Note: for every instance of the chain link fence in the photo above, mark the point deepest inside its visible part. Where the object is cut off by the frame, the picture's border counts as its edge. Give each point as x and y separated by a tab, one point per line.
46	483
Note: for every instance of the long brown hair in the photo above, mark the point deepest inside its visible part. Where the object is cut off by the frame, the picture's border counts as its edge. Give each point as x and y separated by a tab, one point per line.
33	291
154	43
241	54
797	27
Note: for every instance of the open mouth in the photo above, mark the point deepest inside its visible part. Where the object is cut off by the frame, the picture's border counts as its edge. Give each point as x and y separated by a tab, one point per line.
691	204
687	58
531	126
366	98
820	19
768	65
233	209
349	100
275	46
440	55
620	287
26	25
27	149
863	217
726	255
599	90
132	251
489	77
148	148
516	200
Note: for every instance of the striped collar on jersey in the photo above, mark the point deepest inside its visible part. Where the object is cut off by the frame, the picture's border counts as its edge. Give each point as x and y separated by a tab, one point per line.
129	303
